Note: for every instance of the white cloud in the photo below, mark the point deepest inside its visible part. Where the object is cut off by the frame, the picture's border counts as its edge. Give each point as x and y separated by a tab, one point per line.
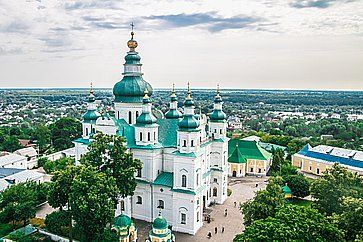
201	41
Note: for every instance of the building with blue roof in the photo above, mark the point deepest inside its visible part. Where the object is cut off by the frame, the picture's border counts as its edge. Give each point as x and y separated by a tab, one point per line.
184	154
316	160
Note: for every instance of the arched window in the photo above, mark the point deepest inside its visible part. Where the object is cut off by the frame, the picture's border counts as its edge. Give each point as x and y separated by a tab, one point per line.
184	181
214	192
138	173
154	135
137	114
160	204
122	205
148	136
197	179
184	143
130	117
140	136
138	200
86	131
192	143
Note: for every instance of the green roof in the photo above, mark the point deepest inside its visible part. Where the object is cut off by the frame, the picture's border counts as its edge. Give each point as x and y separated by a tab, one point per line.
269	146
239	151
168	132
188	122
160	223
164	179
286	190
173	114
122	221
131	89
184	191
91	115
217	115
82	141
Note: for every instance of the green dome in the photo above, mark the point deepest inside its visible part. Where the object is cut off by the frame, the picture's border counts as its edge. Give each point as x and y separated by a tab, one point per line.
131	89
188	122
160	223
189	102
122	221
217	115
173	114
91	115
132	58
146	118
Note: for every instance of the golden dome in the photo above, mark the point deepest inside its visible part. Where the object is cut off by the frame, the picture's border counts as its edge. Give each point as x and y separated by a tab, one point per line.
132	44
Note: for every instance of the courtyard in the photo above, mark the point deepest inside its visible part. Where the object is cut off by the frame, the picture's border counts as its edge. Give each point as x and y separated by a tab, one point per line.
243	189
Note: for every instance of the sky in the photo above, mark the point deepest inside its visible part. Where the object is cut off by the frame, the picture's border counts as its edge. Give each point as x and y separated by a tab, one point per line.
248	44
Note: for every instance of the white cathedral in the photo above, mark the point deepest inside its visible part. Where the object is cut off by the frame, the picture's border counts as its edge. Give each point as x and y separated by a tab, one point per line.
184	155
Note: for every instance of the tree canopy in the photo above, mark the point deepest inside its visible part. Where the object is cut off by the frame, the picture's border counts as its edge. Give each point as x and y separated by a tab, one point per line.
108	154
292	223
64	131
336	183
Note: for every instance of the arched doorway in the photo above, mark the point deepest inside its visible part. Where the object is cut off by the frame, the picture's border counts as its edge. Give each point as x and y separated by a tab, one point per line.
234	173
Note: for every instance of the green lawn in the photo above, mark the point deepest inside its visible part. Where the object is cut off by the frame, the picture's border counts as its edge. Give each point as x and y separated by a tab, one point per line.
300	202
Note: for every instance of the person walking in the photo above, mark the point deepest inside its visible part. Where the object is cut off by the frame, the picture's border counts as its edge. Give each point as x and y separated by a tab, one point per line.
209	235
225	212
223	229
235	204
215	230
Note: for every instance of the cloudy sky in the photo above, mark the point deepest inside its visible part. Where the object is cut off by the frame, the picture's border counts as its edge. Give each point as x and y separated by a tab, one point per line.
270	44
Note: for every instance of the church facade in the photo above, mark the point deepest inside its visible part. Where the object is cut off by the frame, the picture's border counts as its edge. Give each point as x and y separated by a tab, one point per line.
184	155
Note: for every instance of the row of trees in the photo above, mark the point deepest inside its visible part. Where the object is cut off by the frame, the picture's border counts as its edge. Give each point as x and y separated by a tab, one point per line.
336	214
54	137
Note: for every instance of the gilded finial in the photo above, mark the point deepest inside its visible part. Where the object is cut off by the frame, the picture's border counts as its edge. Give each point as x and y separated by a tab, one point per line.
132	44
218	92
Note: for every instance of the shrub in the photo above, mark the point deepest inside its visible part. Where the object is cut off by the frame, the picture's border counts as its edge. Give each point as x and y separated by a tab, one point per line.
229	192
58	222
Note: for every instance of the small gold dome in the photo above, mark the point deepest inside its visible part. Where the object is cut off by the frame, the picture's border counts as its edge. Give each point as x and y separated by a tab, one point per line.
132	44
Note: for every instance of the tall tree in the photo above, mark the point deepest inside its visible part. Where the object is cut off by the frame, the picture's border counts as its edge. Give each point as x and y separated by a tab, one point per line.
108	154
64	131
18	202
292	223
335	184
11	144
93	200
277	160
265	202
42	135
299	185
351	218
60	191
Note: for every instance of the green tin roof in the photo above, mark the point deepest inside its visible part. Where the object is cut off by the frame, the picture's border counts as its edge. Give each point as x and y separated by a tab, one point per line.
91	115
82	141
189	122
286	190
239	151
185	191
173	114
168	132
122	221
146	118
217	115
160	223
131	89
164	179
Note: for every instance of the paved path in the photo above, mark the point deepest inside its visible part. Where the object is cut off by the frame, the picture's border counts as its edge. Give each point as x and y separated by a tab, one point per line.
241	191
